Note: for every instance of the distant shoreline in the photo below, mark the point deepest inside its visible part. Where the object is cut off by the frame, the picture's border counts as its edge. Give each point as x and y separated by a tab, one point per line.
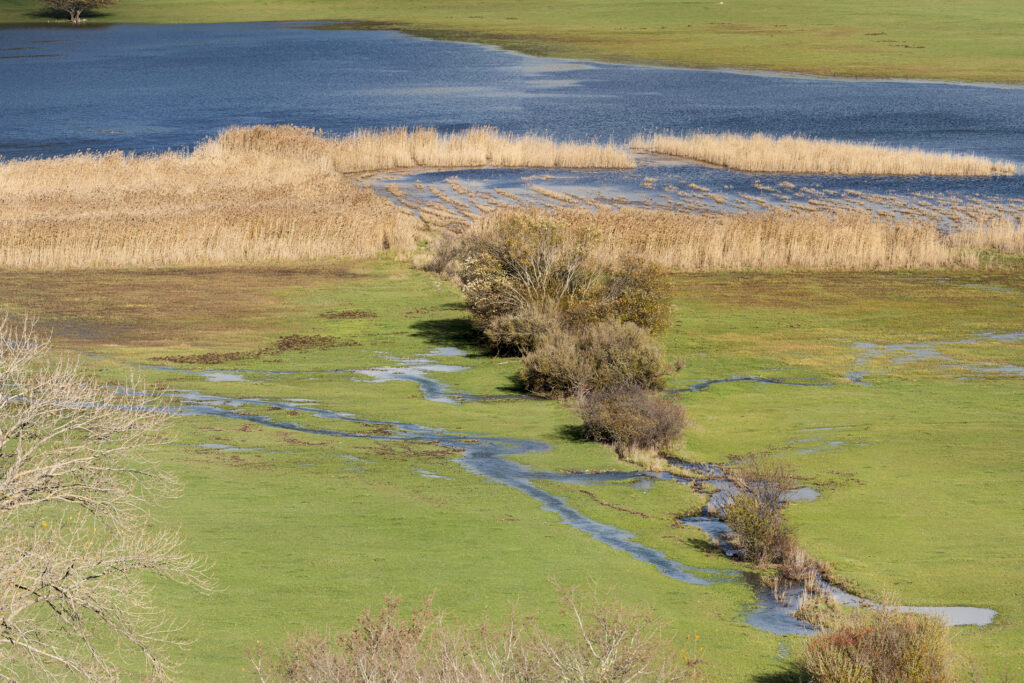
971	44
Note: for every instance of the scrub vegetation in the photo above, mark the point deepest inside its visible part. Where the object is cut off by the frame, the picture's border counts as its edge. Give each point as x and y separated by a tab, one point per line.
971	41
582	325
611	642
882	646
760	153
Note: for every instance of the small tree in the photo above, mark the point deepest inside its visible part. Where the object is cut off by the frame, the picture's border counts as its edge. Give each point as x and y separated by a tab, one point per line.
78	552
74	8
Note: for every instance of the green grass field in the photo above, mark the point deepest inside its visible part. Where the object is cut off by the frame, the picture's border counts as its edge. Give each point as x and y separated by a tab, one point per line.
933	39
921	497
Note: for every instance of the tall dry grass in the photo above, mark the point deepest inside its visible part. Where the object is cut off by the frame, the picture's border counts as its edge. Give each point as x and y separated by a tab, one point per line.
794	154
252	195
846	240
395	148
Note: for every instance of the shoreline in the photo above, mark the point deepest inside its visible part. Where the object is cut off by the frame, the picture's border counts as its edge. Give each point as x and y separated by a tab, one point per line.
482	39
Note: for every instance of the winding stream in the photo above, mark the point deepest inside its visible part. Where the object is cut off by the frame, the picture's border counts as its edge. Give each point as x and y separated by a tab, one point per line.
488	457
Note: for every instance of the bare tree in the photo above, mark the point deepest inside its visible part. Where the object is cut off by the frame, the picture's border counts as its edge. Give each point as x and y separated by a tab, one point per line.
74	8
78	557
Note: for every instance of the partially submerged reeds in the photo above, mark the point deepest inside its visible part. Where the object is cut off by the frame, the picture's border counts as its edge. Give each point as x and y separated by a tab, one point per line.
252	195
778	239
760	153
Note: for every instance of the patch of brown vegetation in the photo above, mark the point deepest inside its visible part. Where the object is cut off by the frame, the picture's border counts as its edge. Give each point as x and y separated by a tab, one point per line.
347	315
186	306
292	342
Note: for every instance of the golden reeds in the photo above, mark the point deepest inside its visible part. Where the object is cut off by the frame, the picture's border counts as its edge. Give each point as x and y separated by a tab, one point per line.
846	240
394	148
252	195
761	153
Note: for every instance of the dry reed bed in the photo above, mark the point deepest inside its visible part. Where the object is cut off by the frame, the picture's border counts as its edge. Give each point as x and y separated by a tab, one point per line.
252	195
761	153
779	239
394	148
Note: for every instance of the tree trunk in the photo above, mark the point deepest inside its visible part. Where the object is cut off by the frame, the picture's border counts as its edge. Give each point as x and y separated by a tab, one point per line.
76	16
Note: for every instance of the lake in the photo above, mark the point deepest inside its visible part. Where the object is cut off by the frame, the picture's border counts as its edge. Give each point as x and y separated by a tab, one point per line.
152	88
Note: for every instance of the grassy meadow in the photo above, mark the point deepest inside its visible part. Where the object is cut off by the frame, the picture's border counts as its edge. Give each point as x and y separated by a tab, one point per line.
918	473
945	40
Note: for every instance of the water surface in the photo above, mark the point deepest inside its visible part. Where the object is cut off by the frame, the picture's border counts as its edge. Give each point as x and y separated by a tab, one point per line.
146	88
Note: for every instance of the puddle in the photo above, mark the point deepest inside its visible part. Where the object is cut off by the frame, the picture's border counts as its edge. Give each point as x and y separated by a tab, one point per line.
225	447
902	354
217	376
430	475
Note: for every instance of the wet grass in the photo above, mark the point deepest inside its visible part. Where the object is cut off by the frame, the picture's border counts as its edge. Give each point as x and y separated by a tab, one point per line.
919	497
975	41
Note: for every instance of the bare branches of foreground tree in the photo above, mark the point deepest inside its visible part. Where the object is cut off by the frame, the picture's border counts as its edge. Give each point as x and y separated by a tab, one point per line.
78	558
610	643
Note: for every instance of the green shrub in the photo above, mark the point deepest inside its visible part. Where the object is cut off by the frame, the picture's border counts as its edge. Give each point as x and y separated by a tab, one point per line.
600	357
755	508
761	534
881	646
629	417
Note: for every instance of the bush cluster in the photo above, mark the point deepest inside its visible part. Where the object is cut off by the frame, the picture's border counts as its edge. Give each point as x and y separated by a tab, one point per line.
881	646
583	327
525	275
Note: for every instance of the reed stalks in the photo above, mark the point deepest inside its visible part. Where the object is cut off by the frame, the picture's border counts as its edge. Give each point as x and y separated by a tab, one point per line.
761	153
777	239
395	148
251	195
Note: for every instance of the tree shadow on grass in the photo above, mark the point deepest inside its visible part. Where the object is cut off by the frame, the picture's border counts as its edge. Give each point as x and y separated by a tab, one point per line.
705	546
788	672
572	433
456	332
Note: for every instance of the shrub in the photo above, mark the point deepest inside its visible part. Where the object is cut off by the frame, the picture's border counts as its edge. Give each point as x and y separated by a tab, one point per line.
519	332
611	643
881	646
754	508
639	292
630	418
601	357
512	268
